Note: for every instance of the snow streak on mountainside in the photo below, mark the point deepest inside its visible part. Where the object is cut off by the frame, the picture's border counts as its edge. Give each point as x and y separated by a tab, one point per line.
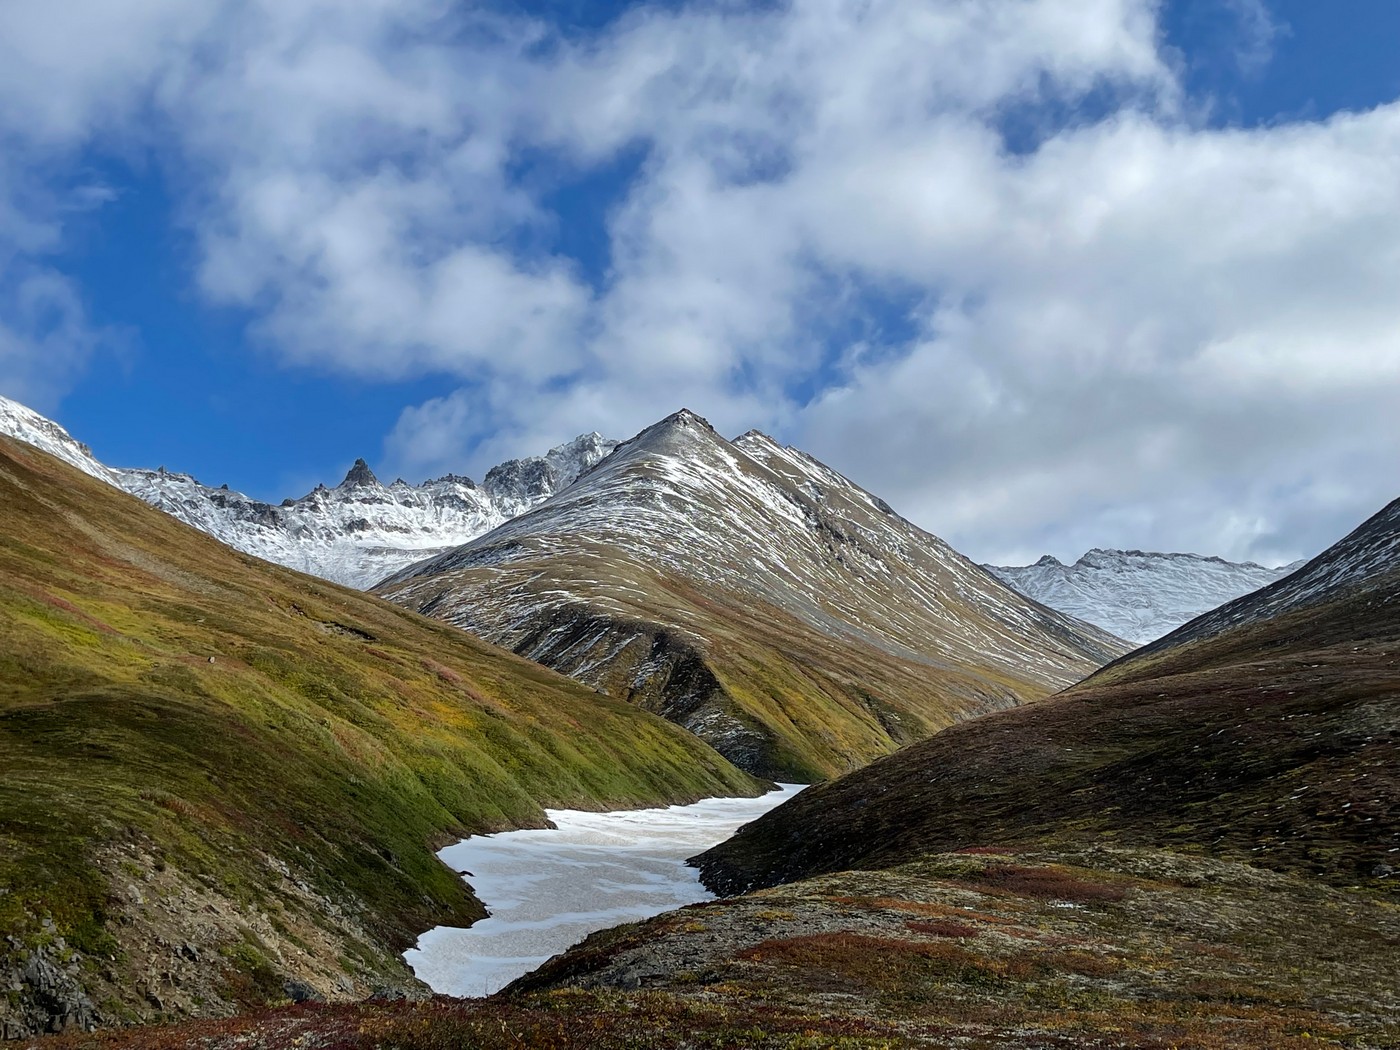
637	578
1135	594
356	533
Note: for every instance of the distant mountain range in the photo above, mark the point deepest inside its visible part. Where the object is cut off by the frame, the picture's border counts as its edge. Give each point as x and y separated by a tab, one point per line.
355	533
783	614
1137	595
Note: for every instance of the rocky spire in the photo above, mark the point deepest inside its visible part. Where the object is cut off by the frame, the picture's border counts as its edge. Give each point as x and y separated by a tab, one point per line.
359	476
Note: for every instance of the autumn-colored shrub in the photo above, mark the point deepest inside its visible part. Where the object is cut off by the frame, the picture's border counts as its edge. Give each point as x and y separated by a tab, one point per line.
942	928
1049	883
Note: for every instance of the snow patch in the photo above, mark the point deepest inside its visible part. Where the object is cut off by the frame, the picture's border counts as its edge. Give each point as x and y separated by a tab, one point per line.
548	889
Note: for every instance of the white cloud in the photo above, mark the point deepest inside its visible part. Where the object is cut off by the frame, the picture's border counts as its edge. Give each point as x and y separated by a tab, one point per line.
71	75
45	337
1116	326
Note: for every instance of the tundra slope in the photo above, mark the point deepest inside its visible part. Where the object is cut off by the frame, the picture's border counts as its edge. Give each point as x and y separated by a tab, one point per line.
759	599
355	533
223	781
1267	731
1137	595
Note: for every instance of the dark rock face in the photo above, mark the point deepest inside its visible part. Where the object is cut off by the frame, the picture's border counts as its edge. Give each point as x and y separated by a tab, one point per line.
521	478
51	996
359	476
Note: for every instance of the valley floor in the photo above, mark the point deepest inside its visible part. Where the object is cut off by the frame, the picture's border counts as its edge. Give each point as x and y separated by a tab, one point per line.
1103	947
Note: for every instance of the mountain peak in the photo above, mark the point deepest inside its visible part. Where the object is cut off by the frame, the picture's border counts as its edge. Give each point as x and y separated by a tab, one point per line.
21	422
359	476
684	425
686	418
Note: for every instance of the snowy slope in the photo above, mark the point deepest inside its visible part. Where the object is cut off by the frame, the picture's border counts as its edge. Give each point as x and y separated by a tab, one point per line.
356	533
682	555
1135	594
28	426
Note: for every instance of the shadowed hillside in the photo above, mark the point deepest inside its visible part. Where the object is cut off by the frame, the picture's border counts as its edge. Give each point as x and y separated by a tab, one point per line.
1268	730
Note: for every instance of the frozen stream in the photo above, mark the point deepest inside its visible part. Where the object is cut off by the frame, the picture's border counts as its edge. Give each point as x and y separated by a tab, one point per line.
548	889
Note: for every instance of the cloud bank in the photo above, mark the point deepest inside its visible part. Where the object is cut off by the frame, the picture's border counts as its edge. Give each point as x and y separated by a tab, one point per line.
987	258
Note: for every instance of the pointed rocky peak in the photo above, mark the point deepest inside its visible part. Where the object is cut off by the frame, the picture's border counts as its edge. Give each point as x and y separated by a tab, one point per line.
754	436
1049	560
359	476
686	418
677	431
683	424
578	456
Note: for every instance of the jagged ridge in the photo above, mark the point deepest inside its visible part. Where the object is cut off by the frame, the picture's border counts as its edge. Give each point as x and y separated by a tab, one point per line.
355	533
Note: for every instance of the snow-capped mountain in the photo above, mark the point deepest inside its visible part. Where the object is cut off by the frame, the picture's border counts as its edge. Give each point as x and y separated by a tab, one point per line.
1136	594
23	423
361	530
729	585
355	533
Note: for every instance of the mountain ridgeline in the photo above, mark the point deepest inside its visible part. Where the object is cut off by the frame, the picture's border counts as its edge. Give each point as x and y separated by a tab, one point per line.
355	533
756	597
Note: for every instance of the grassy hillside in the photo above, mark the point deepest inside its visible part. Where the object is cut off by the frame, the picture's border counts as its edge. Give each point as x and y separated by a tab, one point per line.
1276	742
219	774
762	686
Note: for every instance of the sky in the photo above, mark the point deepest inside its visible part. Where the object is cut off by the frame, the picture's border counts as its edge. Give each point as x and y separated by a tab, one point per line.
1046	275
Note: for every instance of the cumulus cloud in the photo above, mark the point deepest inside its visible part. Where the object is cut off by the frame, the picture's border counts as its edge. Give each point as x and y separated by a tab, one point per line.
45	336
71	75
985	257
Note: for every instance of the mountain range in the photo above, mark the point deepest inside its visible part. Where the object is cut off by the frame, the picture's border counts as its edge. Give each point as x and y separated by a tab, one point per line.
740	589
1137	595
355	533
224	778
361	531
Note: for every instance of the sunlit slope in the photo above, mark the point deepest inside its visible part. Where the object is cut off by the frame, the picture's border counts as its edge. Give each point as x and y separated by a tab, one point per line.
1268	731
760	599
183	723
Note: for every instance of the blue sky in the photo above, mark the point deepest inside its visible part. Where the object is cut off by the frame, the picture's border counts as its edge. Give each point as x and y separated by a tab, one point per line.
252	242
